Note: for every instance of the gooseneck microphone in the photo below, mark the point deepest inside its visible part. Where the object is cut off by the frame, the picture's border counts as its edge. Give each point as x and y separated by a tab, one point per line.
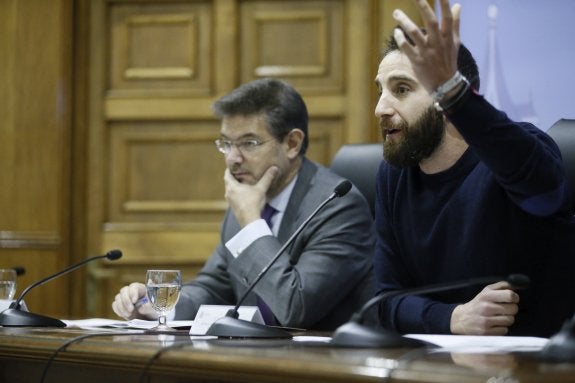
355	334
15	317
230	326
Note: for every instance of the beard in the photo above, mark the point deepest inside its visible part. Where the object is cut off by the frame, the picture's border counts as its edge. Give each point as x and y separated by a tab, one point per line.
419	140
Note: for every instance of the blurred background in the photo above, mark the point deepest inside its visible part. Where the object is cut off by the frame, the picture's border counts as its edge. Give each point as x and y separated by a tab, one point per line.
525	54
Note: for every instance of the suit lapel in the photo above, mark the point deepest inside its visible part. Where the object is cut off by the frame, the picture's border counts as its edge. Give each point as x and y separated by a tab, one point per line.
301	187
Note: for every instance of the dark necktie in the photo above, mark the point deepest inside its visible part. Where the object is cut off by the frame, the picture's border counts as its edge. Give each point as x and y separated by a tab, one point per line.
269	318
267	214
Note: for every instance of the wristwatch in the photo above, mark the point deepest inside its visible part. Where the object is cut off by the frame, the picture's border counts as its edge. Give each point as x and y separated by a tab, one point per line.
448	86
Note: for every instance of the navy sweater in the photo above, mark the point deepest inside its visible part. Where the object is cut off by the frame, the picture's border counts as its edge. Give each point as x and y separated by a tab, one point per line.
503	208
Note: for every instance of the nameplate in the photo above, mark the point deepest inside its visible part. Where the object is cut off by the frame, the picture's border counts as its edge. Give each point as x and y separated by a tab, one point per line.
208	314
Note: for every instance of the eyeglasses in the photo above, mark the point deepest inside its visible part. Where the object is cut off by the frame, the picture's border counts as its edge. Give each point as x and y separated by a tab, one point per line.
244	146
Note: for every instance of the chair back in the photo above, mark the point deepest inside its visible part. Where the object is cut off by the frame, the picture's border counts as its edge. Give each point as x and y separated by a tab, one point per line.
359	164
563	133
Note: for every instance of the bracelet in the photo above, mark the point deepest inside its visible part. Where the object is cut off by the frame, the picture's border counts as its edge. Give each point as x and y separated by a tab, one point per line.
447	86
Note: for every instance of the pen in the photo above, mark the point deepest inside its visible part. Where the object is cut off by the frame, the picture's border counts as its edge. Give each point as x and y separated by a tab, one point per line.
141	302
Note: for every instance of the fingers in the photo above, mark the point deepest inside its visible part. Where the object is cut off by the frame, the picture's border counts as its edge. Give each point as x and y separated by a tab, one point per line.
247	200
456	11
229	179
408	27
446	18
471	319
500	292
402	43
494	331
491	312
122	305
500	321
450	21
497	299
493	309
268	177
491	325
428	15
433	55
125	301
430	22
232	186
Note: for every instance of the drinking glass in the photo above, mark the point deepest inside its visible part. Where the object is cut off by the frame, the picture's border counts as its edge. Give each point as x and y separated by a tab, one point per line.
163	289
7	283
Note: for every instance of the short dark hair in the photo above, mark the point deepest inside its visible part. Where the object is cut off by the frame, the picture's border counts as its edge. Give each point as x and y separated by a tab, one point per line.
282	105
465	62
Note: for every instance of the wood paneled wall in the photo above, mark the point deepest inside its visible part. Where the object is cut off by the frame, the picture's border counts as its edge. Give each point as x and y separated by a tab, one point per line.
116	150
35	145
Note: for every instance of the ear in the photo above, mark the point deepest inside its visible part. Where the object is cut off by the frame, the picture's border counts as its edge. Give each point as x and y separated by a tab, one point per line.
294	141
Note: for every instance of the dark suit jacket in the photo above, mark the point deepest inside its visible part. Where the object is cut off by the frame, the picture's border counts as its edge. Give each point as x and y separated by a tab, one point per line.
319	281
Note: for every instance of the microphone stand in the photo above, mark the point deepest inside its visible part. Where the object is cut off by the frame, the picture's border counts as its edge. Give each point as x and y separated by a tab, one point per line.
15	317
12	317
230	326
356	334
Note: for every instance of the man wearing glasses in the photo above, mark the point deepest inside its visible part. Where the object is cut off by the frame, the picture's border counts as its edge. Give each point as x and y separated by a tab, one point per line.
271	188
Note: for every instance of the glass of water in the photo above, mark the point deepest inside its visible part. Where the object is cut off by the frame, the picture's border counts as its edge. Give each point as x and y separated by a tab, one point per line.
163	289
7	283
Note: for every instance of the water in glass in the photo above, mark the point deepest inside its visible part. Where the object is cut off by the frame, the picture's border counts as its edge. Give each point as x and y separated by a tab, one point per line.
163	289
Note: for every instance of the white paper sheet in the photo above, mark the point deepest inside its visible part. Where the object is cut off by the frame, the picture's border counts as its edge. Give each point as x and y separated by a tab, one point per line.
479	344
122	324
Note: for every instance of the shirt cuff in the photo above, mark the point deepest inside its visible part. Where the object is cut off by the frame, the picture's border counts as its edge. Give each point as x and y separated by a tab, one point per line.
171	315
247	236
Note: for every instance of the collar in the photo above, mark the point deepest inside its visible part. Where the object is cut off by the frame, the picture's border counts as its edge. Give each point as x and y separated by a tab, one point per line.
280	201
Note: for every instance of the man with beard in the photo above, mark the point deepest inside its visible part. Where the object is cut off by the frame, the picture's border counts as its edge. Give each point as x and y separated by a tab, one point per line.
464	192
326	274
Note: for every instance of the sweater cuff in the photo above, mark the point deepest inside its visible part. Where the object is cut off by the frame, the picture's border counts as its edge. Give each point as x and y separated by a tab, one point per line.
420	315
437	318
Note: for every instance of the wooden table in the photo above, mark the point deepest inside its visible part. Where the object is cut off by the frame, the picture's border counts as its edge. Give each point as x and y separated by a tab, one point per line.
134	357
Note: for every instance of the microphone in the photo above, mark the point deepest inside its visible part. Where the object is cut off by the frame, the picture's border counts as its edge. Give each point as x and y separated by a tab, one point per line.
15	317
230	326
561	347
355	334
